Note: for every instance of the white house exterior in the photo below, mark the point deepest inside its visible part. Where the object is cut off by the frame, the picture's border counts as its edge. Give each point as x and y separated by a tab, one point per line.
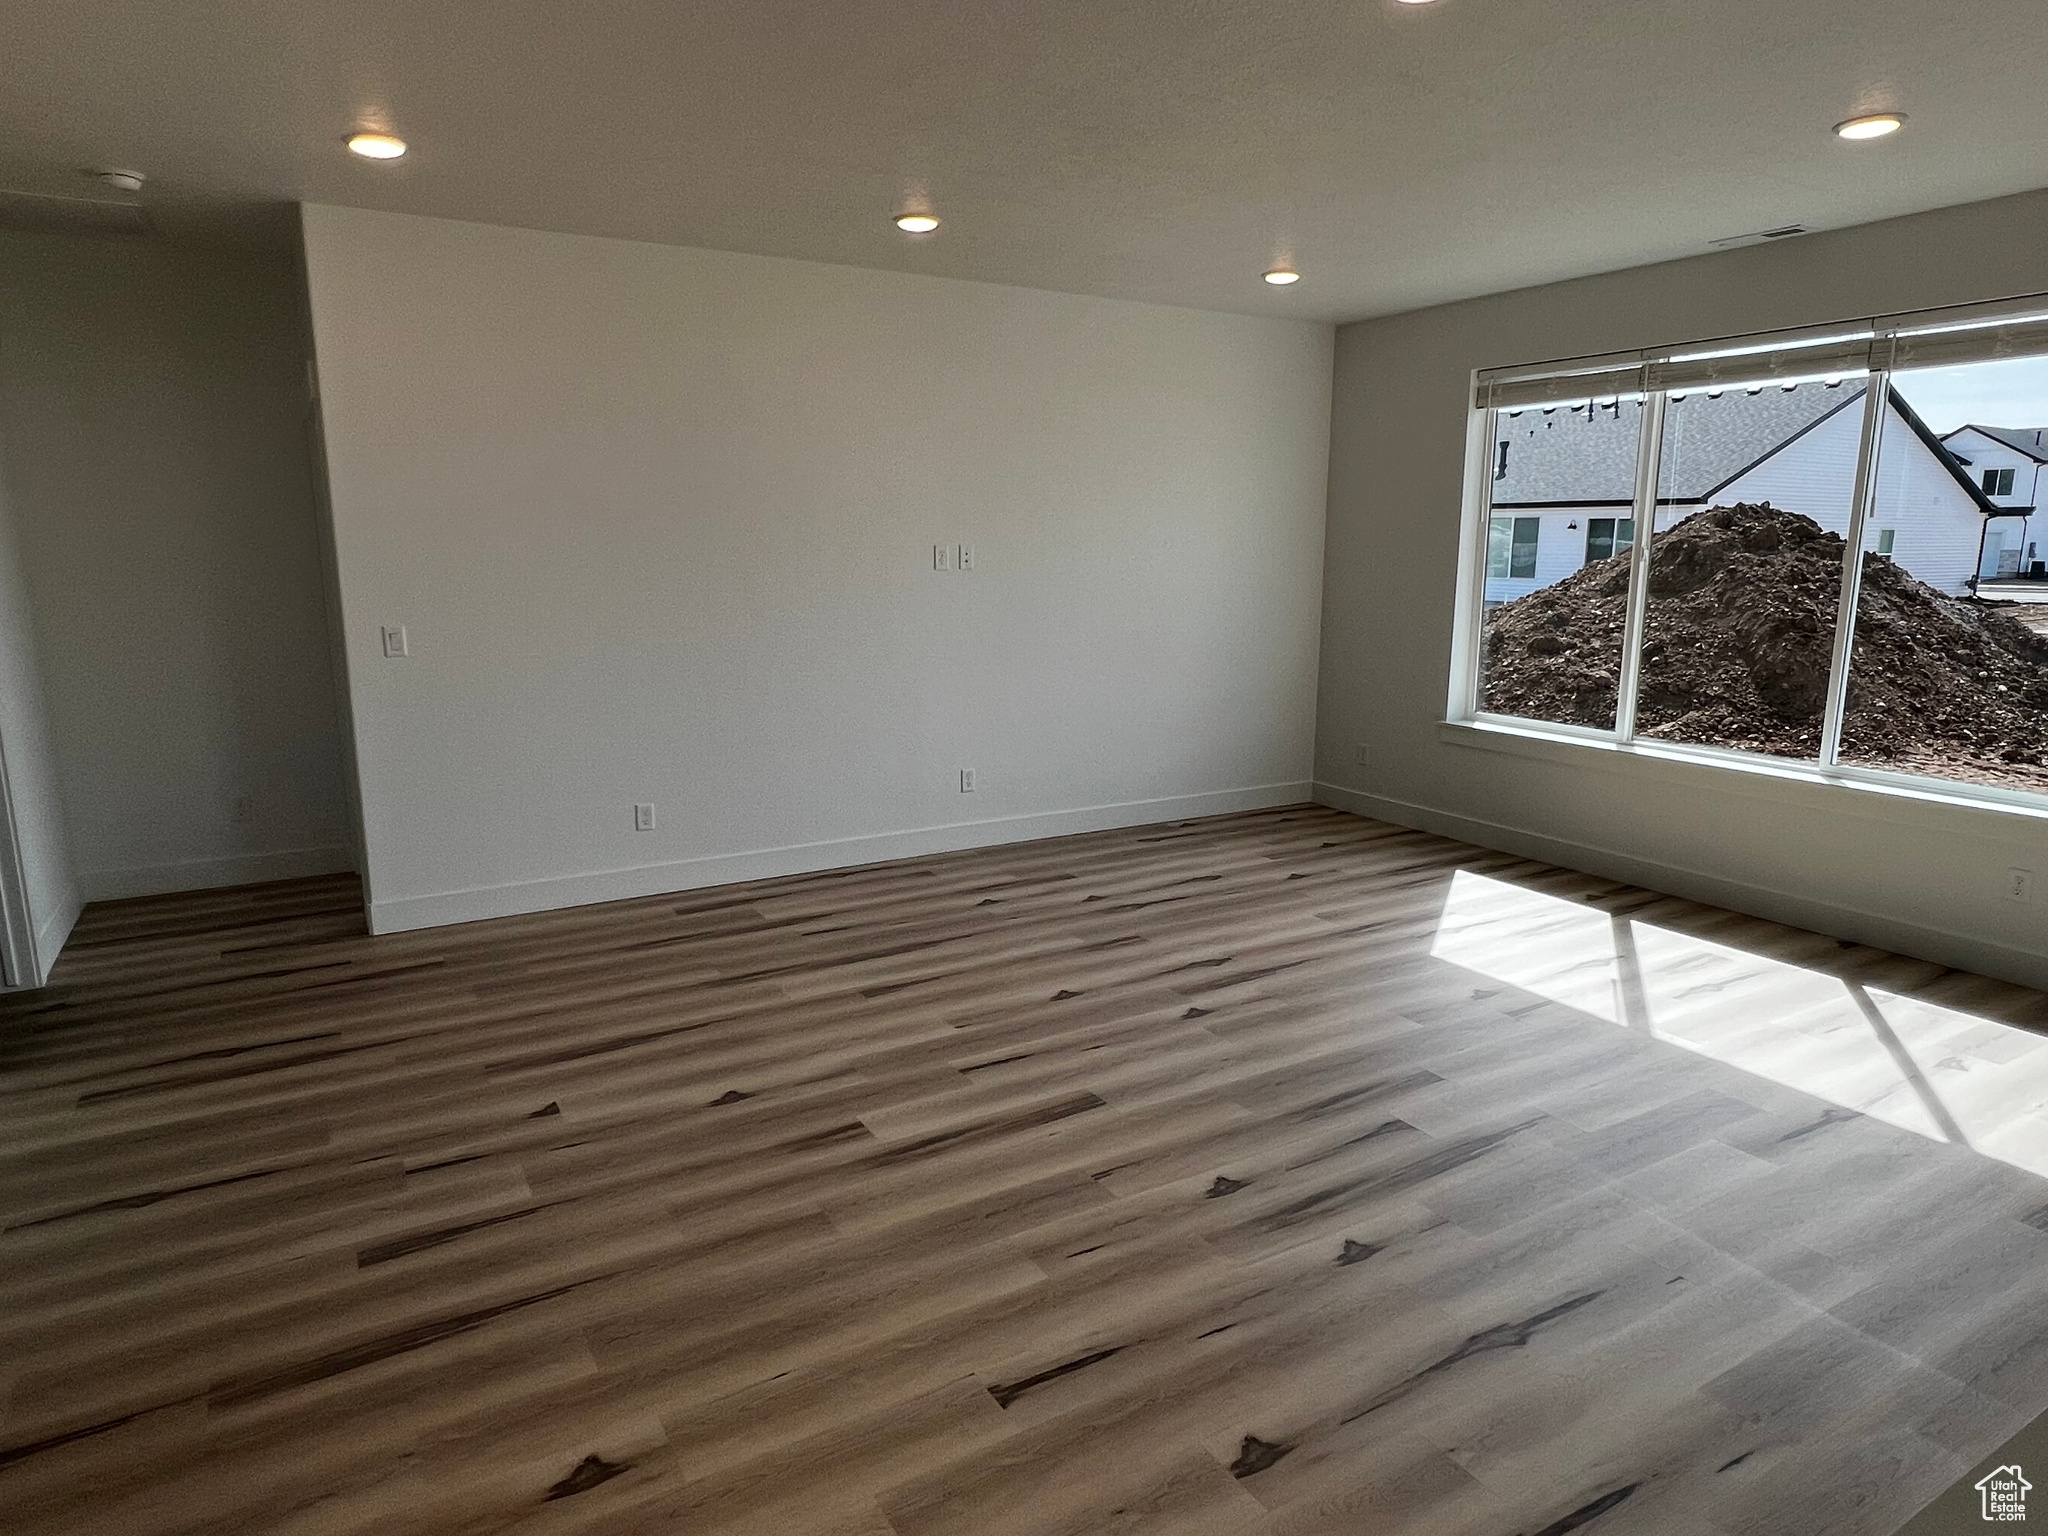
1564	477
2006	463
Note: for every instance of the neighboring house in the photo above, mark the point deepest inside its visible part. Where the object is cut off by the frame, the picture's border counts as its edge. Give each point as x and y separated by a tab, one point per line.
1564	476
2006	463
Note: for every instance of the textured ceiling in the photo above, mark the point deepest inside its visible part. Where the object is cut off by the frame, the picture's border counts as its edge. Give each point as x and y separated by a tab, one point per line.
1401	155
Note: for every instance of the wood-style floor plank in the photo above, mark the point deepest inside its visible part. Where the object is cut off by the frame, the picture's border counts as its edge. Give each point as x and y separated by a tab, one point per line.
1266	1175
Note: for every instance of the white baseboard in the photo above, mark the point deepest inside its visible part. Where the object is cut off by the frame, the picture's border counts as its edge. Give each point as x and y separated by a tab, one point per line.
50	935
1939	945
399	914
206	874
55	928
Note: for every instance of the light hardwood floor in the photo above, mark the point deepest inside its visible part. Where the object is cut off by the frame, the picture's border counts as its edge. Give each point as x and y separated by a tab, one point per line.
1278	1173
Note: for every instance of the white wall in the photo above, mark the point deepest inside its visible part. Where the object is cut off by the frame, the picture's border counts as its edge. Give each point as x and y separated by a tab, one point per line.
40	877
1936	522
1814	475
1912	875
153	406
659	523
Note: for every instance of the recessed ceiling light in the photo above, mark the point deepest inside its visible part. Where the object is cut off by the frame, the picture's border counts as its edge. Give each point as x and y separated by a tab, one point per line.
376	146
1874	126
1415	2
1280	277
120	181
916	223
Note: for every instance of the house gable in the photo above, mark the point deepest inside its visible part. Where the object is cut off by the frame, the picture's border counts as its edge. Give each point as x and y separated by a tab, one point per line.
2028	442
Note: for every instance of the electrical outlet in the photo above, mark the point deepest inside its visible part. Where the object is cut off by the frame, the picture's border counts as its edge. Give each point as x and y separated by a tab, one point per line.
1358	755
2019	885
643	818
244	808
942	557
966	557
394	641
966	781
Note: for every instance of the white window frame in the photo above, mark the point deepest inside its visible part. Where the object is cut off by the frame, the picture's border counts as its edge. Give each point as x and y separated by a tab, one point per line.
1871	349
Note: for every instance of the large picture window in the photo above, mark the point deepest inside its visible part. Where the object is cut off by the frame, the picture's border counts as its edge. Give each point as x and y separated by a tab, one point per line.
1829	550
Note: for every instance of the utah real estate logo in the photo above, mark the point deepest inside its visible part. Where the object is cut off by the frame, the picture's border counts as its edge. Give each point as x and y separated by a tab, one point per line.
2005	1494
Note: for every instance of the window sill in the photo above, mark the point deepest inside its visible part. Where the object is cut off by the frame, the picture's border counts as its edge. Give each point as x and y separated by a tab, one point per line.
1870	792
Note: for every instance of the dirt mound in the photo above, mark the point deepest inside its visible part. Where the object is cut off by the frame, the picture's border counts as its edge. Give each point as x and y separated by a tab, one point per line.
1736	647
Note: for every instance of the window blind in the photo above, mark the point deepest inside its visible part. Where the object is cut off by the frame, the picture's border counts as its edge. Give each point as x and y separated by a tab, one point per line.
1945	346
1933	338
1509	389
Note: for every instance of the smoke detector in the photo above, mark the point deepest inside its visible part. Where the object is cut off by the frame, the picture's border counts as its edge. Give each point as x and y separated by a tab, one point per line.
120	181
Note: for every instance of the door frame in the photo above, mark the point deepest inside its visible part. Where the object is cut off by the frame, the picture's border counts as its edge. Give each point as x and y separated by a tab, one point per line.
19	964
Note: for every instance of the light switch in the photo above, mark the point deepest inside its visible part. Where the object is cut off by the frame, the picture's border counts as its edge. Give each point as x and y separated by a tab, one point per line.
394	640
942	557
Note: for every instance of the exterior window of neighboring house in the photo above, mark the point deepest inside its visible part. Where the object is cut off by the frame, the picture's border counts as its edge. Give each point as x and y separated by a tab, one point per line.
1608	536
1511	546
1741	632
1522	553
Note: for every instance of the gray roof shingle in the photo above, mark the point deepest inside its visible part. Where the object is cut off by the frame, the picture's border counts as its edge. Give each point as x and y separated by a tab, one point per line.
1560	457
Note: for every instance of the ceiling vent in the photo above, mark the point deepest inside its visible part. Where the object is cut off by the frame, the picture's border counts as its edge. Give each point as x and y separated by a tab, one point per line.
1758	236
72	215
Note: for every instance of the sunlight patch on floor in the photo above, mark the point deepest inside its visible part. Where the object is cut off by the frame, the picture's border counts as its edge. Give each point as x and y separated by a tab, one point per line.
1937	1072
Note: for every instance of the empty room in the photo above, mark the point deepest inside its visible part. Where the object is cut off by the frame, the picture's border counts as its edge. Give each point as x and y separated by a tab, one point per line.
1052	770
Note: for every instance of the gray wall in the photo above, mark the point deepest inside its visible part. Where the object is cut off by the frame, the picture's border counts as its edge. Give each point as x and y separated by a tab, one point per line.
660	521
153	408
1911	874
